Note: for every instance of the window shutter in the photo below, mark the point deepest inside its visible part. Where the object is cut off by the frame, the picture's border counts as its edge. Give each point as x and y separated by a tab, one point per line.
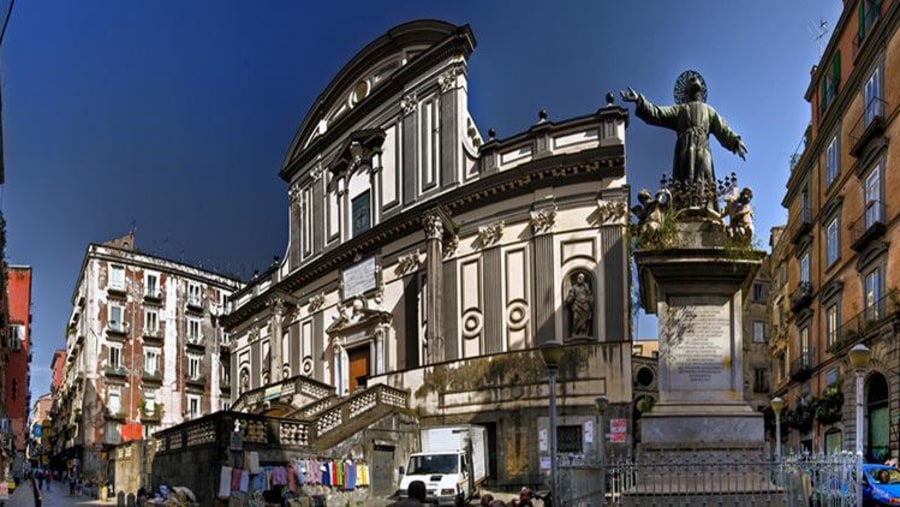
823	96
861	21
836	71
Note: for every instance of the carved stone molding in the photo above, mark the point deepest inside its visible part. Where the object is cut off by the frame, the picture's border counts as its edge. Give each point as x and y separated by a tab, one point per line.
434	227
316	302
608	211
410	262
543	220
316	172
408	103
490	234
295	193
447	81
451	243
254	334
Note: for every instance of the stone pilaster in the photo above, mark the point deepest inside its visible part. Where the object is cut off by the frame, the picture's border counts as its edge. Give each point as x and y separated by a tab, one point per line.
277	363
434	232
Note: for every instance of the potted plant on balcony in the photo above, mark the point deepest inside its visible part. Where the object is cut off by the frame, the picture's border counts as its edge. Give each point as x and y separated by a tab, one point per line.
829	409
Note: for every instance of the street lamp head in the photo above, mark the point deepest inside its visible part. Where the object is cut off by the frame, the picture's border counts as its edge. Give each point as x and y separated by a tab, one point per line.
551	353
602	404
777	404
859	357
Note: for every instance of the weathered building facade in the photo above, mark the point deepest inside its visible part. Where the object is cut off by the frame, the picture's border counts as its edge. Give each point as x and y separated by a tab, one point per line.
144	351
842	260
423	258
18	372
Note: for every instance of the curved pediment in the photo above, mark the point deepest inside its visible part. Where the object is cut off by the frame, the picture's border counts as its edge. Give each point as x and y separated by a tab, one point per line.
370	73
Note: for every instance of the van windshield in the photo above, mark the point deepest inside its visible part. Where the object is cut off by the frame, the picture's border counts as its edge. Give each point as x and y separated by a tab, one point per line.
436	464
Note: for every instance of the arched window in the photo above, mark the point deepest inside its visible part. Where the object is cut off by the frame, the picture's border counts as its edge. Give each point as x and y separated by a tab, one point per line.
878	415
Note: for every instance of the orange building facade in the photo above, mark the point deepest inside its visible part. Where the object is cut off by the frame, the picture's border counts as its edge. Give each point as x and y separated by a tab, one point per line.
17	395
836	266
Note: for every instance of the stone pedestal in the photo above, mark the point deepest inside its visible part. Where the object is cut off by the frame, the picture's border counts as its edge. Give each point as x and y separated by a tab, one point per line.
701	419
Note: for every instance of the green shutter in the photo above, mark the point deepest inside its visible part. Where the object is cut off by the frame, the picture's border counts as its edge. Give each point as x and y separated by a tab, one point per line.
823	96
861	11
836	72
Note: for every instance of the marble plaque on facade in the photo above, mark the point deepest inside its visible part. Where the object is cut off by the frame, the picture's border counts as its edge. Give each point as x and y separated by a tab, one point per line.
697	348
359	278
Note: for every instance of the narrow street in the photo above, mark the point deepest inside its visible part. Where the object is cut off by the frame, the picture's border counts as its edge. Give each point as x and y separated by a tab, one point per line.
57	496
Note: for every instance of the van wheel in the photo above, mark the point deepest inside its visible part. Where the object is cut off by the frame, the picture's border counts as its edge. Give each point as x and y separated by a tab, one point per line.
460	499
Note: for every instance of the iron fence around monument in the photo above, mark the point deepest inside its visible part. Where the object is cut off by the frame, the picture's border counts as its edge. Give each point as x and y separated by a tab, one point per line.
794	481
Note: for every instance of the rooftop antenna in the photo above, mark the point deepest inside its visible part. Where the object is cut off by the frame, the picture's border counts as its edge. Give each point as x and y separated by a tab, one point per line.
820	32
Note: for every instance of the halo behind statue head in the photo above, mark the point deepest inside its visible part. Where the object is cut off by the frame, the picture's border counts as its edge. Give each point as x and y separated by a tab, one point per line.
681	86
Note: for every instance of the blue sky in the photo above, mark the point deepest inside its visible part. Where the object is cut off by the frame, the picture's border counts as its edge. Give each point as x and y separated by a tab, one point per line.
176	115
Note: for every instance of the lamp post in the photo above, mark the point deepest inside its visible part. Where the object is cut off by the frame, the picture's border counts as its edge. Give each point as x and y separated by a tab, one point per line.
551	353
859	360
777	406
602	404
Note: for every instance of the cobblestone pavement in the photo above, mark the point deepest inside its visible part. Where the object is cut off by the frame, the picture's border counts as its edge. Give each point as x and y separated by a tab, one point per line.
57	496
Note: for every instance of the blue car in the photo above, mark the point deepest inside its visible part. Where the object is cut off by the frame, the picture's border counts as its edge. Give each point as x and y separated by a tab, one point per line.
881	485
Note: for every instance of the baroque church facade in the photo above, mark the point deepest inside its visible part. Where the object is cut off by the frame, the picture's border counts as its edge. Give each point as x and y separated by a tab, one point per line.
426	259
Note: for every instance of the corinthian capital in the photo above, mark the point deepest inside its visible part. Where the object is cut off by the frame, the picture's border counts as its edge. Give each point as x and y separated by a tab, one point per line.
434	227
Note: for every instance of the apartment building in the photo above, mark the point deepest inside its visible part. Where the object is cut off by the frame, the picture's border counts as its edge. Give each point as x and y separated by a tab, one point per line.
841	260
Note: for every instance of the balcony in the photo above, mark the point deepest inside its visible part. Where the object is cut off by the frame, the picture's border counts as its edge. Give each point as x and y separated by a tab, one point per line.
802	367
116	371
801	297
870	126
154	377
115	415
194	304
803	224
153	296
195	343
801	148
117	332
152	413
116	291
154	336
866	323
198	381
869	226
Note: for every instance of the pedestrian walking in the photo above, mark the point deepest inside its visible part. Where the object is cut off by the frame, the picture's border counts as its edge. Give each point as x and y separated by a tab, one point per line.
39	475
71	484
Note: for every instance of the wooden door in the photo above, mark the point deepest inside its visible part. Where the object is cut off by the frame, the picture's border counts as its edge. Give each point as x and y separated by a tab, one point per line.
359	366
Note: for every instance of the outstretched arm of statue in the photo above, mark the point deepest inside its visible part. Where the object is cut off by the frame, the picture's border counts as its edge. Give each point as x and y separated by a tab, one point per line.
727	137
661	116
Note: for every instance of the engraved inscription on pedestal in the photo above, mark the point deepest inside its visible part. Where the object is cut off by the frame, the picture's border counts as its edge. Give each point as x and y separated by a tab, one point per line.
697	334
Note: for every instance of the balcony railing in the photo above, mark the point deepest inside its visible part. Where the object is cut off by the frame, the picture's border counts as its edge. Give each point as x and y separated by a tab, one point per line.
196	381
154	335
801	149
865	323
153	295
870	225
152	376
802	296
870	125
802	225
116	371
195	304
801	368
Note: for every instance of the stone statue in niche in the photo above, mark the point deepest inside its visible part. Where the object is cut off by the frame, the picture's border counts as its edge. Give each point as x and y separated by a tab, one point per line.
580	300
245	381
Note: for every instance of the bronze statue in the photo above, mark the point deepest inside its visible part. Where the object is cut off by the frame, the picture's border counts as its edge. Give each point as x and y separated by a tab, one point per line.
581	302
693	120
